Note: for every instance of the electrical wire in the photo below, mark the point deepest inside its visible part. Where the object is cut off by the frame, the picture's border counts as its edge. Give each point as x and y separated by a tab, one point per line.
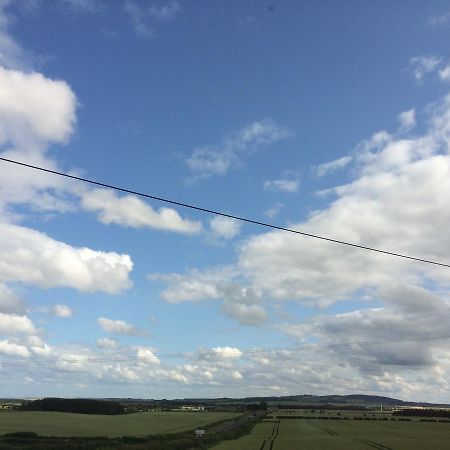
230	351
230	216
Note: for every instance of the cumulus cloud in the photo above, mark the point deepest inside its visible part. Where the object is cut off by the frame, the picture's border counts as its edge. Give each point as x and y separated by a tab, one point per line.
239	303
237	376
421	66
242	304
130	211
10	302
147	355
397	186
35	112
33	105
224	227
118	327
401	184
62	311
8	348
205	162
194	286
227	353
244	313
106	343
11	324
32	257
409	312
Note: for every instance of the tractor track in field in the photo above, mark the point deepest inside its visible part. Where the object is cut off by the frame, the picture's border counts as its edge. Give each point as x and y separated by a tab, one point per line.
327	430
373	444
270	439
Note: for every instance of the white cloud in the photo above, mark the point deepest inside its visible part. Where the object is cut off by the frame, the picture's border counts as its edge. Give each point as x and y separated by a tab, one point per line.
63	311
237	376
239	303
274	210
289	185
34	112
242	304
10	302
9	348
244	313
401	184
144	19
106	343
205	162
138	19
444	74
438	20
408	311
397	200
224	227
11	324
407	119
194	286
164	12
423	65
118	327
225	353
147	355
130	211
12	55
324	169
34	107
32	257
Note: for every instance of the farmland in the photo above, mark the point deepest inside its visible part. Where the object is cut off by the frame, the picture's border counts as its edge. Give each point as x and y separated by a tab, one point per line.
317	434
139	424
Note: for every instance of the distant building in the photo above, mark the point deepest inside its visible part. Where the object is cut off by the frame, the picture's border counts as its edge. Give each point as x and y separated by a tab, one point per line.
432	408
192	408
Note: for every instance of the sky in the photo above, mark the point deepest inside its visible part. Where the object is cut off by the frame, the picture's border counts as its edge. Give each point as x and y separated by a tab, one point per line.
332	118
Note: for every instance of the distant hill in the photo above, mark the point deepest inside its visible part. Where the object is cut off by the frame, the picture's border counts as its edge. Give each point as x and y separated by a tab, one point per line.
360	400
347	401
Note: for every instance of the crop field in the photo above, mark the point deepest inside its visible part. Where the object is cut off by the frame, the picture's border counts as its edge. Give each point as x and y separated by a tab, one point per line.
316	434
139	424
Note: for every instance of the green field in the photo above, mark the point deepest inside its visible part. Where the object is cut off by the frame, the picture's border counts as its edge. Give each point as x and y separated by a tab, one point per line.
139	424
344	435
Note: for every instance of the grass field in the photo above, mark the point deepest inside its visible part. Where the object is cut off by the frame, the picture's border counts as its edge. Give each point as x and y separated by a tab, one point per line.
343	435
140	424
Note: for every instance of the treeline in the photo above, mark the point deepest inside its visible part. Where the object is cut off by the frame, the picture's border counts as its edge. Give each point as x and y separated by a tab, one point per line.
75	405
313	408
423	413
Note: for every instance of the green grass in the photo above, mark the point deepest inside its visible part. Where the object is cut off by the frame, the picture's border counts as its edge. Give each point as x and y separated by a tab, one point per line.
139	424
250	441
345	435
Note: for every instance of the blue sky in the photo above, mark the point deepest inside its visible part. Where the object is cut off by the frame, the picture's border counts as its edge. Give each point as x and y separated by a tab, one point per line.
329	117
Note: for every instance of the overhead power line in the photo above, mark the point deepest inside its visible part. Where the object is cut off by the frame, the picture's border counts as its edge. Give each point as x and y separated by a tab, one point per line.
220	213
230	351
